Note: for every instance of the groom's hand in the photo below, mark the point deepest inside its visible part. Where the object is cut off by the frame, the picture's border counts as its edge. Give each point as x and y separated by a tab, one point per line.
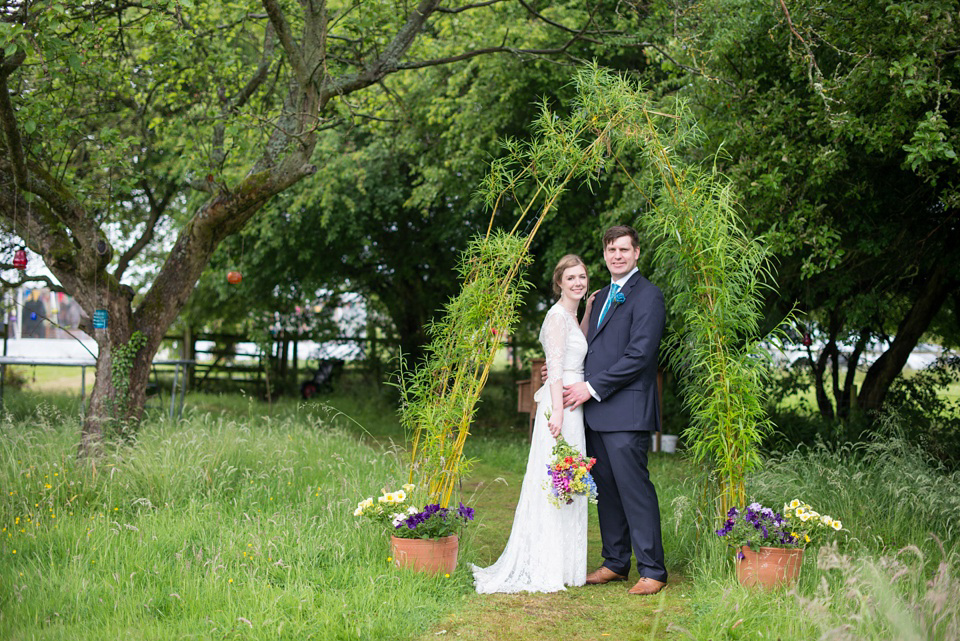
575	395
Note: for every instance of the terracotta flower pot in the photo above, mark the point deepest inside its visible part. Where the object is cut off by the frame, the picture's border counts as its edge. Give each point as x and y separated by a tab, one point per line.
769	567
434	556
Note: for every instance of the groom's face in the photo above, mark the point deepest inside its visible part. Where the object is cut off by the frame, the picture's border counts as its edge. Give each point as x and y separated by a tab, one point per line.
621	257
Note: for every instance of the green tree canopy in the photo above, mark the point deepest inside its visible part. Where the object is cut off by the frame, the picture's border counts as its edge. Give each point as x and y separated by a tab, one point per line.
126	124
838	122
395	204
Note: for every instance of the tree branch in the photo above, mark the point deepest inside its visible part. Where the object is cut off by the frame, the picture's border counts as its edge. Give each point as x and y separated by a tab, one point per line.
40	228
389	60
933	292
467	7
10	64
282	27
8	120
420	64
557	25
315	32
262	69
9	284
62	204
813	69
694	71
156	210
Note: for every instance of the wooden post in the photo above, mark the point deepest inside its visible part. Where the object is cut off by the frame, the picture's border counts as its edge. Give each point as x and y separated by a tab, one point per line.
188	352
373	358
296	356
3	368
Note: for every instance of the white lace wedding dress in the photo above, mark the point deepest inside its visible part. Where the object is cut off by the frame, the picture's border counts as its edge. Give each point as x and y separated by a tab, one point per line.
547	549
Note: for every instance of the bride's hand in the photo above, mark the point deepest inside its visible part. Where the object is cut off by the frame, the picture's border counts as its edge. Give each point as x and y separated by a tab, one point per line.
590	300
585	321
555	424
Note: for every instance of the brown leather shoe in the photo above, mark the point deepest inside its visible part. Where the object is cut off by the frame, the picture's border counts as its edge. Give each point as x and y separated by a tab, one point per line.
647	586
604	575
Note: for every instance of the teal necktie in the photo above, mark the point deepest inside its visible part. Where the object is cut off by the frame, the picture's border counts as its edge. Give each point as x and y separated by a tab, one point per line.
614	288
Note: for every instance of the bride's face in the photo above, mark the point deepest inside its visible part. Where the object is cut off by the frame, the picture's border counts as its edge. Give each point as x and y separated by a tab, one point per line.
574	282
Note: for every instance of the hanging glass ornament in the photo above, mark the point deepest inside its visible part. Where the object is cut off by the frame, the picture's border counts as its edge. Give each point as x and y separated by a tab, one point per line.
100	318
234	277
20	259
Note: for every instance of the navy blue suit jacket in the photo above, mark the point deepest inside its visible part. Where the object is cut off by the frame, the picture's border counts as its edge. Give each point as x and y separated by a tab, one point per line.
621	361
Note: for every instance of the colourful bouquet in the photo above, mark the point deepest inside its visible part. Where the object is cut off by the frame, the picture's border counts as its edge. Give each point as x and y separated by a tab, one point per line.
569	475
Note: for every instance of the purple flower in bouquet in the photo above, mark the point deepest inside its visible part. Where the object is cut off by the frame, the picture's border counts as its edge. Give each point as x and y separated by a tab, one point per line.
568	475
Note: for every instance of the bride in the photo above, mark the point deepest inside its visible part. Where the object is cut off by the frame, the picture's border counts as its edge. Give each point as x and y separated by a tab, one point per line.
547	548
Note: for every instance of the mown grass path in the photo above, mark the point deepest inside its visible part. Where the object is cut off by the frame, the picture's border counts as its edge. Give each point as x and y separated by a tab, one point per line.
589	613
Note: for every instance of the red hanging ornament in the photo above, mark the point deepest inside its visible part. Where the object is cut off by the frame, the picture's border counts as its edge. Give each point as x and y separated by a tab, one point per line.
234	277
806	339
20	259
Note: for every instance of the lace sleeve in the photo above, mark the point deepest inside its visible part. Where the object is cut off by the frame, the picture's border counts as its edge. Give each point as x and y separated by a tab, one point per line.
553	337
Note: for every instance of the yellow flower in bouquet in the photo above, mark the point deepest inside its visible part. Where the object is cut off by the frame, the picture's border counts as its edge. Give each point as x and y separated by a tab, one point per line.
569	475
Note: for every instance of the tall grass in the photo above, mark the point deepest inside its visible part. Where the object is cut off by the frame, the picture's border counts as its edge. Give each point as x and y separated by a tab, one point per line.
238	523
212	527
893	573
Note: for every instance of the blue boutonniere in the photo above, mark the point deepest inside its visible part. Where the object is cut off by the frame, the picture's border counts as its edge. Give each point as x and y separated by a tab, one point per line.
618	298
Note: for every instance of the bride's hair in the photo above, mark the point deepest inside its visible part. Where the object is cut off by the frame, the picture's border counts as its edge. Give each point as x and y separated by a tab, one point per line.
568	261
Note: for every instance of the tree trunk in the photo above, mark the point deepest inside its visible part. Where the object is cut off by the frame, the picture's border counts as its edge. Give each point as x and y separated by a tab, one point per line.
819	366
886	368
845	400
116	406
64	227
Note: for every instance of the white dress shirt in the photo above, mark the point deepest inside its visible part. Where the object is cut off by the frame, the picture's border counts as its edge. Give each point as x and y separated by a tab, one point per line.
620	283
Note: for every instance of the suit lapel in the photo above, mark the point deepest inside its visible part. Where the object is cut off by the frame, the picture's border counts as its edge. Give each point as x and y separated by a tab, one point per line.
595	312
625	290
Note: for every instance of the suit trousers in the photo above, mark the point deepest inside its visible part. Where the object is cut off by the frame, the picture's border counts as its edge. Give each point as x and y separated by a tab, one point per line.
627	503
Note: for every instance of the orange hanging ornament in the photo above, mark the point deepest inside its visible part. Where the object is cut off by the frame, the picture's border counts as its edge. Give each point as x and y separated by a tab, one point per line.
234	277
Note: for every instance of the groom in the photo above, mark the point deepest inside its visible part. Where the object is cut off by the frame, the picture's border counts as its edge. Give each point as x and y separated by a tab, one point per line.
621	409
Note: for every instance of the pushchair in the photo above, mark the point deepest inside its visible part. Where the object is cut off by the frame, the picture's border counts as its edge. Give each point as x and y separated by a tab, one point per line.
324	375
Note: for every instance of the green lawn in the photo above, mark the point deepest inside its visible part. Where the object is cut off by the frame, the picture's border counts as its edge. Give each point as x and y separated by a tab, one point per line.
237	523
807	400
589	612
51	378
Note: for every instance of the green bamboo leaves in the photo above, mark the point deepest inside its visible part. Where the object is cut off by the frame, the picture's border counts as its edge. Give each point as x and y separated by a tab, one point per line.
440	397
715	274
714	277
